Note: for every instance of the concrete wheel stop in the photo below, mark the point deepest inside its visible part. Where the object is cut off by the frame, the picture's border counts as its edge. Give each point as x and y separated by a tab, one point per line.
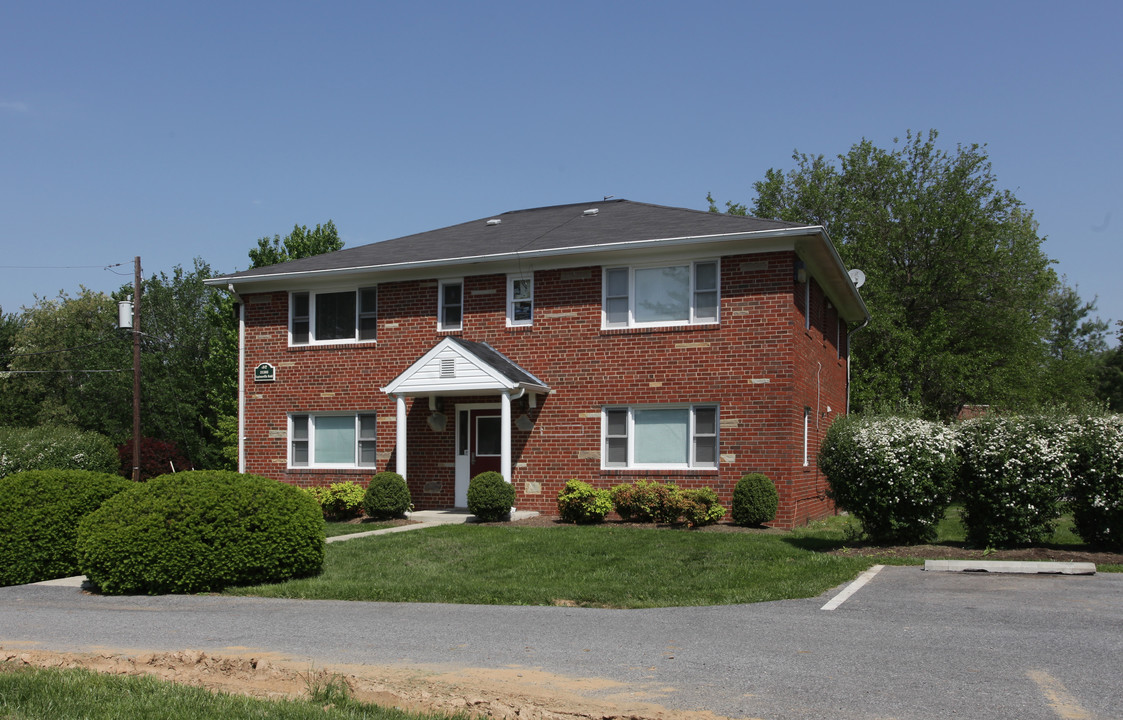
1022	567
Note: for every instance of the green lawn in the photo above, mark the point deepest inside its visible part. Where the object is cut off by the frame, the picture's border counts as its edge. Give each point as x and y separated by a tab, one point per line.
599	565
39	694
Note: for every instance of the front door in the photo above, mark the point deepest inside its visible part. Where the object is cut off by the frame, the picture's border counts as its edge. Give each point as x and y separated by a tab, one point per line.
478	446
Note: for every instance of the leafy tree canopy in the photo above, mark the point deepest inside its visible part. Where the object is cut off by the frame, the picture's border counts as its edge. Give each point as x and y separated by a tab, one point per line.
300	243
963	300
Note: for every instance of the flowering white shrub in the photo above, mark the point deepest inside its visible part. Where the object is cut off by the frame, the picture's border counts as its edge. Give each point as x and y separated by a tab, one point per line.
896	475
51	448
1014	476
1097	480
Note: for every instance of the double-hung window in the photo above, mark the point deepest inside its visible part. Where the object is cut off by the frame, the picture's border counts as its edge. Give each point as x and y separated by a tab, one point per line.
660	437
450	310
333	317
661	295
332	440
520	300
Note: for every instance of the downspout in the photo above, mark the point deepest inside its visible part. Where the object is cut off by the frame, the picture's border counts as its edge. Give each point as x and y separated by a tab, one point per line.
241	377
850	333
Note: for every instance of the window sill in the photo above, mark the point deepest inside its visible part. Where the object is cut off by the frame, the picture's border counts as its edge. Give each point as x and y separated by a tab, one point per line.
344	470
670	472
707	327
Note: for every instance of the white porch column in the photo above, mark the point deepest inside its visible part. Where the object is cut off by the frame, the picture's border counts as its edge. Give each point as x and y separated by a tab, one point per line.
505	437
400	446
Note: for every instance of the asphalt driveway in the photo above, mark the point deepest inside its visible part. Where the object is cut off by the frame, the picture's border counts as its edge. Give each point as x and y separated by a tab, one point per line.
909	644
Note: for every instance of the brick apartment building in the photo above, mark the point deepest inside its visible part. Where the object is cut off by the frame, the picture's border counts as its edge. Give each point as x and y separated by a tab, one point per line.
606	341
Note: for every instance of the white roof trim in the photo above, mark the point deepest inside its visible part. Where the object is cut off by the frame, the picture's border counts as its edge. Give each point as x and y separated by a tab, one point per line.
473	375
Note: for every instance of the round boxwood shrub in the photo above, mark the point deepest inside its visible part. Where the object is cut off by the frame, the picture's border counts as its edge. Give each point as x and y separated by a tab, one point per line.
1015	474
55	448
490	497
201	531
580	502
896	475
638	501
387	496
755	500
701	507
1097	481
39	514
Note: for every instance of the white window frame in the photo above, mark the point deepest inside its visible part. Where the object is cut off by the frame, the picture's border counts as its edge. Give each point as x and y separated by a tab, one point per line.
694	291
511	300
310	440
692	431
441	326
311	317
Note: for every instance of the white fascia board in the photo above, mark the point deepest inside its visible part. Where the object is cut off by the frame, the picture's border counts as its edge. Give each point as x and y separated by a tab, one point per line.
523	255
499	382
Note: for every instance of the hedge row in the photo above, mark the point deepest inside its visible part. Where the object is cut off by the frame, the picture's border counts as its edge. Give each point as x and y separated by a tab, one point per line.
754	502
1015	475
188	532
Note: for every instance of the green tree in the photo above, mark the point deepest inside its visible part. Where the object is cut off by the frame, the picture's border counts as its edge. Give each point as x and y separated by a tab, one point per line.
221	366
300	243
1110	375
1076	343
958	286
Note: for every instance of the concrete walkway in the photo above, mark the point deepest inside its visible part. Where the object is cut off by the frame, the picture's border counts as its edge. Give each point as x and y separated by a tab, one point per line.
419	519
428	518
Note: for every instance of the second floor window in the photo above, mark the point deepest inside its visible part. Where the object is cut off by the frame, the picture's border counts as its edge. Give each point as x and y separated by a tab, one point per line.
333	317
520	300
661	295
451	311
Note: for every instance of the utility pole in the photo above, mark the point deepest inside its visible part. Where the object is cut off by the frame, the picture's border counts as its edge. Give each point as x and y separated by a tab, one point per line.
136	372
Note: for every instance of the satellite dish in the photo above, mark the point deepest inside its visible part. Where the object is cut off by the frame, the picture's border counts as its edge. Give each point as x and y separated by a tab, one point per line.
857	277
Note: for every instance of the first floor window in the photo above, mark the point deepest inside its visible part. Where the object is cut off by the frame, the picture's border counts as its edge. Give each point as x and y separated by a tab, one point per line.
332	440
683	436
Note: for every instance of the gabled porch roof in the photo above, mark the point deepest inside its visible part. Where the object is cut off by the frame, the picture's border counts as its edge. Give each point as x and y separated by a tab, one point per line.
456	366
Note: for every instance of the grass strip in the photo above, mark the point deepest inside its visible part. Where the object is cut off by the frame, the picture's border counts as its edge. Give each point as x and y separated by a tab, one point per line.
28	693
600	566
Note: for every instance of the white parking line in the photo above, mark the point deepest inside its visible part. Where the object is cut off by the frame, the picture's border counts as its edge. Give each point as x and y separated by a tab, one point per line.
852	588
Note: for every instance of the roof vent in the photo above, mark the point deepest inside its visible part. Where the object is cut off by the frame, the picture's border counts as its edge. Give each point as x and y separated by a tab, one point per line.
591	211
494	221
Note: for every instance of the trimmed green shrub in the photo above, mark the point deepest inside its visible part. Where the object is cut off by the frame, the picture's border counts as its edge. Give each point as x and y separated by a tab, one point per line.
338	501
1014	476
701	507
637	501
755	500
39	514
490	497
55	448
201	531
670	504
896	475
1097	481
387	496
580	502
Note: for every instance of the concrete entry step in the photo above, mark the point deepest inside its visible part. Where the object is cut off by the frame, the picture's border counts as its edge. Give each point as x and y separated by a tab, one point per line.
455	516
1026	567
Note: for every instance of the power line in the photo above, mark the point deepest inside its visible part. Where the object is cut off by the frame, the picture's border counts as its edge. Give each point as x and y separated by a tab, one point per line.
40	372
56	352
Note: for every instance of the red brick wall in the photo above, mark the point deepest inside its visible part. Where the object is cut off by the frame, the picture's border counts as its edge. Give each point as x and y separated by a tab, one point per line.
760	365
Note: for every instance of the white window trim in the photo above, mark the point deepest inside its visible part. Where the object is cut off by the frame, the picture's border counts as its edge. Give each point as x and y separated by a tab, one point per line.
312	315
692	463
511	321
632	323
312	464
441	327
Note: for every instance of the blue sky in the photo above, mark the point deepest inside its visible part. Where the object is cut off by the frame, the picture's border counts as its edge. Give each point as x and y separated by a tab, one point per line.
175	131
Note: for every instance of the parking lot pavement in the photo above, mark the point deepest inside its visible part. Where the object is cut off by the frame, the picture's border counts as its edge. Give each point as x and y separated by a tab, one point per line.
908	644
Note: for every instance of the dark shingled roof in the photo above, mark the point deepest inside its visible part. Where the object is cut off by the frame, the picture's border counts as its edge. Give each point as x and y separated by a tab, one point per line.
535	230
498	361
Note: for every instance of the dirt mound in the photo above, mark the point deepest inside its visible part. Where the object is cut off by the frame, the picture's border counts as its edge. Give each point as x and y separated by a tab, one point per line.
513	693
